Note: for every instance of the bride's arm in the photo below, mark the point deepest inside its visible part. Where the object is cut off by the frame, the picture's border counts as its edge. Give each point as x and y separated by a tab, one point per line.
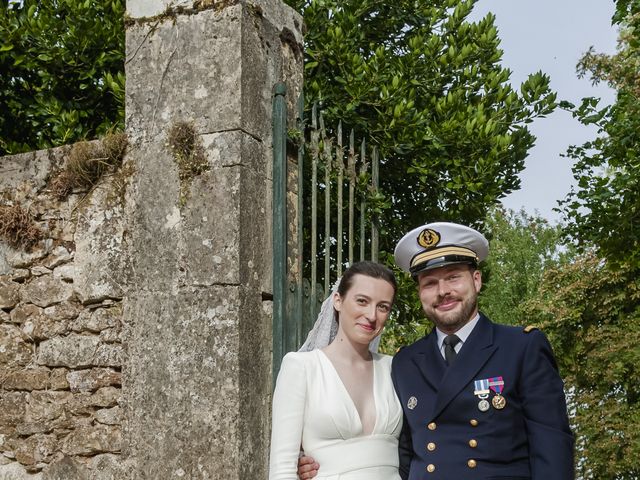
287	418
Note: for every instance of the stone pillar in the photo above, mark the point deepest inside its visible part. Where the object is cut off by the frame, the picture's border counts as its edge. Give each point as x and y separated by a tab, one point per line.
197	381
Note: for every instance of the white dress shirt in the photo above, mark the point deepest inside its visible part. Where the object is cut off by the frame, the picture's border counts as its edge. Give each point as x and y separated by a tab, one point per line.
462	334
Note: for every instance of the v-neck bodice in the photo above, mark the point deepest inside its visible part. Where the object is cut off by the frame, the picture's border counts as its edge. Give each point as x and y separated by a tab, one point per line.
313	408
331	367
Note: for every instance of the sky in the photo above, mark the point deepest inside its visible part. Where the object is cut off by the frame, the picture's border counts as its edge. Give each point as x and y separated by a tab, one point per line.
551	35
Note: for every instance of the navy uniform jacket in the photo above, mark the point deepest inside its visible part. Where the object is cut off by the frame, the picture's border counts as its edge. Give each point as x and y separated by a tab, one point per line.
446	436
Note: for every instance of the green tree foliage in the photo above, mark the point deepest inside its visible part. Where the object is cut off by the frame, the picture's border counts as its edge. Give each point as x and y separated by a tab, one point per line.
591	313
591	308
522	247
605	209
61	71
426	86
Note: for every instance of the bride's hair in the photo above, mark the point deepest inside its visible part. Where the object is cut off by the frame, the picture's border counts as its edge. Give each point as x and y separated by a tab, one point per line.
369	269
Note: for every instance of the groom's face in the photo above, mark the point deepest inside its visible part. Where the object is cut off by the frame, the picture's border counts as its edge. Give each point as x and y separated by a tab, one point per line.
449	295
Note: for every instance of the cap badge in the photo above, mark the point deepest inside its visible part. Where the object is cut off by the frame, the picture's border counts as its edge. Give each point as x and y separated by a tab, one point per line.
411	404
428	238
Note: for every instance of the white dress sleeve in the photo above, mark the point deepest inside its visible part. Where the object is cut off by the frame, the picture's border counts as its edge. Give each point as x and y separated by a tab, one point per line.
287	418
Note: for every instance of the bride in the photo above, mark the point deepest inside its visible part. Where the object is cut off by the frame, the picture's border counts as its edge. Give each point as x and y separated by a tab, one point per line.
334	398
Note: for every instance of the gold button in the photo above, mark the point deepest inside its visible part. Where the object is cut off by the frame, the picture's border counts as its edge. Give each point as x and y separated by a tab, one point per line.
473	443
432	426
473	422
431	468
471	463
431	446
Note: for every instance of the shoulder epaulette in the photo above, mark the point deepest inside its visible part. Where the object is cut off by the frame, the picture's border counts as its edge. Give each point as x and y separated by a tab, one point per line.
529	328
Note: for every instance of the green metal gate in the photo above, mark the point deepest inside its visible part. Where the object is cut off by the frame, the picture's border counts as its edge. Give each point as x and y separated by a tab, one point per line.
316	164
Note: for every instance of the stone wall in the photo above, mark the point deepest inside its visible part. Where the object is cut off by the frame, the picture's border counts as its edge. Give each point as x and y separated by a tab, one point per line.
135	333
61	350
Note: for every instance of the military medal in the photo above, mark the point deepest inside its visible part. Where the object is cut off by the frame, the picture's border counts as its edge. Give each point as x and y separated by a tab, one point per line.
498	401
411	404
482	392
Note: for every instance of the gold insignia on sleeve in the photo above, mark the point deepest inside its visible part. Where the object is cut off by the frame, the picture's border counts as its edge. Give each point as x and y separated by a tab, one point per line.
529	328
428	238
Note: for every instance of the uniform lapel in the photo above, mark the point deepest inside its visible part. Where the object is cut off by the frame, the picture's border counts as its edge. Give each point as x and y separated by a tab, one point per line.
430	362
475	352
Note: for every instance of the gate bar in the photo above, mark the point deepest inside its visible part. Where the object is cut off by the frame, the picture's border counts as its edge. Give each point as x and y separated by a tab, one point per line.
279	239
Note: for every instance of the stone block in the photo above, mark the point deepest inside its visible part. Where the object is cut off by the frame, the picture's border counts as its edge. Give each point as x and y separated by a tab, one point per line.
199	332
22	259
93	379
209	251
109	467
45	290
109	416
15	471
246	54
96	320
234	148
65	272
12	409
58	256
43	327
25	312
255	243
84	404
99	265
9	292
271	52
30	168
19	274
92	440
105	397
72	351
177	78
254	381
111	335
58	379
215	245
40	270
66	468
150	8
108	355
35	449
45	410
36	378
153	209
15	348
63	311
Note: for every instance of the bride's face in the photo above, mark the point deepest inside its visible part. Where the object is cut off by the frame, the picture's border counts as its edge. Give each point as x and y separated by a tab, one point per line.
364	308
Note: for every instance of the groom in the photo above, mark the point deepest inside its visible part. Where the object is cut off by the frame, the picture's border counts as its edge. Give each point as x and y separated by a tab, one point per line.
480	400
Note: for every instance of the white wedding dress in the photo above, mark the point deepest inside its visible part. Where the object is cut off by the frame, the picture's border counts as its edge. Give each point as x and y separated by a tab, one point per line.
312	409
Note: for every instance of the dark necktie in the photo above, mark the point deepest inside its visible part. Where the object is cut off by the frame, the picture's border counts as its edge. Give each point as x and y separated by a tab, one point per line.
450	342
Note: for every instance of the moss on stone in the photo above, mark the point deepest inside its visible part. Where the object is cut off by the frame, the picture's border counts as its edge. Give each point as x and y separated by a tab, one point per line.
18	227
188	153
88	162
